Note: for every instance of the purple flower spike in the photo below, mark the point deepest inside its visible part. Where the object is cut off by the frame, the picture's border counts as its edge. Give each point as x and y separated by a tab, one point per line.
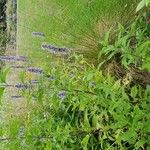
18	67
40	34
62	95
21	86
55	50
21	131
34	81
16	97
13	58
35	70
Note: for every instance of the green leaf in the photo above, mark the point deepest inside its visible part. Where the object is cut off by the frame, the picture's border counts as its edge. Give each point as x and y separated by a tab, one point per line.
1	93
101	64
129	136
3	75
86	121
141	5
95	121
140	144
147	2
85	142
134	91
48	146
146	66
90	76
22	77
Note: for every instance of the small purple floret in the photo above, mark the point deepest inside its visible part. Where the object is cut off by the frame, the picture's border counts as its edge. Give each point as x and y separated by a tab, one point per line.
62	95
21	86
38	34
34	81
35	70
55	50
21	131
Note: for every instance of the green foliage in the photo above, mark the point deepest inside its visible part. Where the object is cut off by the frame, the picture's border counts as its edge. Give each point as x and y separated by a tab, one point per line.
96	112
142	4
3	75
132	45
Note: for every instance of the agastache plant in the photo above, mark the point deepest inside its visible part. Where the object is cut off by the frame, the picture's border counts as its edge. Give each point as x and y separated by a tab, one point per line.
40	34
55	50
35	70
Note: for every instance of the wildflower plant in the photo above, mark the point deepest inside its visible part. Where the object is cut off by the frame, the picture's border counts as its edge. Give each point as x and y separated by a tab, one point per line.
89	111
